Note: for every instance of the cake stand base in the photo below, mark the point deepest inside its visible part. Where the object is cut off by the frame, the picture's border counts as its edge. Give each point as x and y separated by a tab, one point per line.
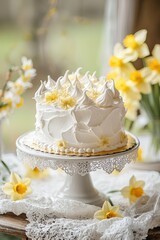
80	188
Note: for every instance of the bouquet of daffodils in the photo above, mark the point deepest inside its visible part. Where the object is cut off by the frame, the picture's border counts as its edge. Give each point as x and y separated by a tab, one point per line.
140	88
11	93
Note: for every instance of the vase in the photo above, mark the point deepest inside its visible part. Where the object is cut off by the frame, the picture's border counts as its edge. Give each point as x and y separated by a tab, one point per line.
150	142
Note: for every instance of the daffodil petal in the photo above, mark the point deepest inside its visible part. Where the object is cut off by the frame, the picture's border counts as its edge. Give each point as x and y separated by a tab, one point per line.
156	51
8	188
15	178
143	51
100	215
140	36
26	181
106	206
132	181
125	192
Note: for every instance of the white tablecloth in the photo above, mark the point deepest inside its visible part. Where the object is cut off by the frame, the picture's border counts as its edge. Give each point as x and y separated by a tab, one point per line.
52	218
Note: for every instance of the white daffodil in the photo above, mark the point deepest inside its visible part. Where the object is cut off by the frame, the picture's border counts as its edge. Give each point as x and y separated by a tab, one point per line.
28	75
120	60
132	108
140	80
27	64
153	64
135	44
18	87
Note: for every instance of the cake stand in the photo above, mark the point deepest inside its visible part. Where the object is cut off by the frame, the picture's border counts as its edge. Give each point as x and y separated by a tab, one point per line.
78	184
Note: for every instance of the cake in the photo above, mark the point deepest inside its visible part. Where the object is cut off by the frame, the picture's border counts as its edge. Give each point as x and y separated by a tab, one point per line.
79	115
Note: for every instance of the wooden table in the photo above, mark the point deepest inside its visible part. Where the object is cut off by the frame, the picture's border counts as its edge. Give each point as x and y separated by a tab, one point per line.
15	225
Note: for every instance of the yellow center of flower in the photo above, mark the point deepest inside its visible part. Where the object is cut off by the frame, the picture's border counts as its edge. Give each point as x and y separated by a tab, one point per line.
36	170
51	97
19	88
27	67
121	85
154	65
136	77
130	42
115	62
111	214
137	192
20	188
67	102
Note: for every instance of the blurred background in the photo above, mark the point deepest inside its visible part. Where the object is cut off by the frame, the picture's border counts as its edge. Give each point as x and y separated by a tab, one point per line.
60	35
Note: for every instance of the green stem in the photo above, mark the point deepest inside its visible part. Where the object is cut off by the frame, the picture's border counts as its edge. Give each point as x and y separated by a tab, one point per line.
114	191
109	200
5	166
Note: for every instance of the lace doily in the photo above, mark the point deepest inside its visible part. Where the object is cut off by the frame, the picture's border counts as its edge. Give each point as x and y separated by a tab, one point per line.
52	218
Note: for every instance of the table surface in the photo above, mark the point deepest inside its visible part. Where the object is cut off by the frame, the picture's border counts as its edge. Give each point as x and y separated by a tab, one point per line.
15	225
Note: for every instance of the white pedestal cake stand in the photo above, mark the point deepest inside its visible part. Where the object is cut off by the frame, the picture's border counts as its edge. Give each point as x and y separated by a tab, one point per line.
78	184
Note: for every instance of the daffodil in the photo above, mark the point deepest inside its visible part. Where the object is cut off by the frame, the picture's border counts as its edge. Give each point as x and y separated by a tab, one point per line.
27	64
67	102
127	89
139	79
36	172
28	75
17	188
132	108
134	191
153	64
107	212
135	44
119	61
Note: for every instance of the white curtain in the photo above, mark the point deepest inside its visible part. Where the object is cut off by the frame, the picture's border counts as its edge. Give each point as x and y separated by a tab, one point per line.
119	20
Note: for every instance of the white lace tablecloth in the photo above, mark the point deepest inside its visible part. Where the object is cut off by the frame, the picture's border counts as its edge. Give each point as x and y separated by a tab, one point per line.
52	218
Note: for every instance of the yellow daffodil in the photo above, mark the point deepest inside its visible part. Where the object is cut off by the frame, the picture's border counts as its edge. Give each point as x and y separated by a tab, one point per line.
136	45
36	173
67	102
17	188
140	154
107	212
51	97
61	144
139	79
112	75
153	64
134	191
